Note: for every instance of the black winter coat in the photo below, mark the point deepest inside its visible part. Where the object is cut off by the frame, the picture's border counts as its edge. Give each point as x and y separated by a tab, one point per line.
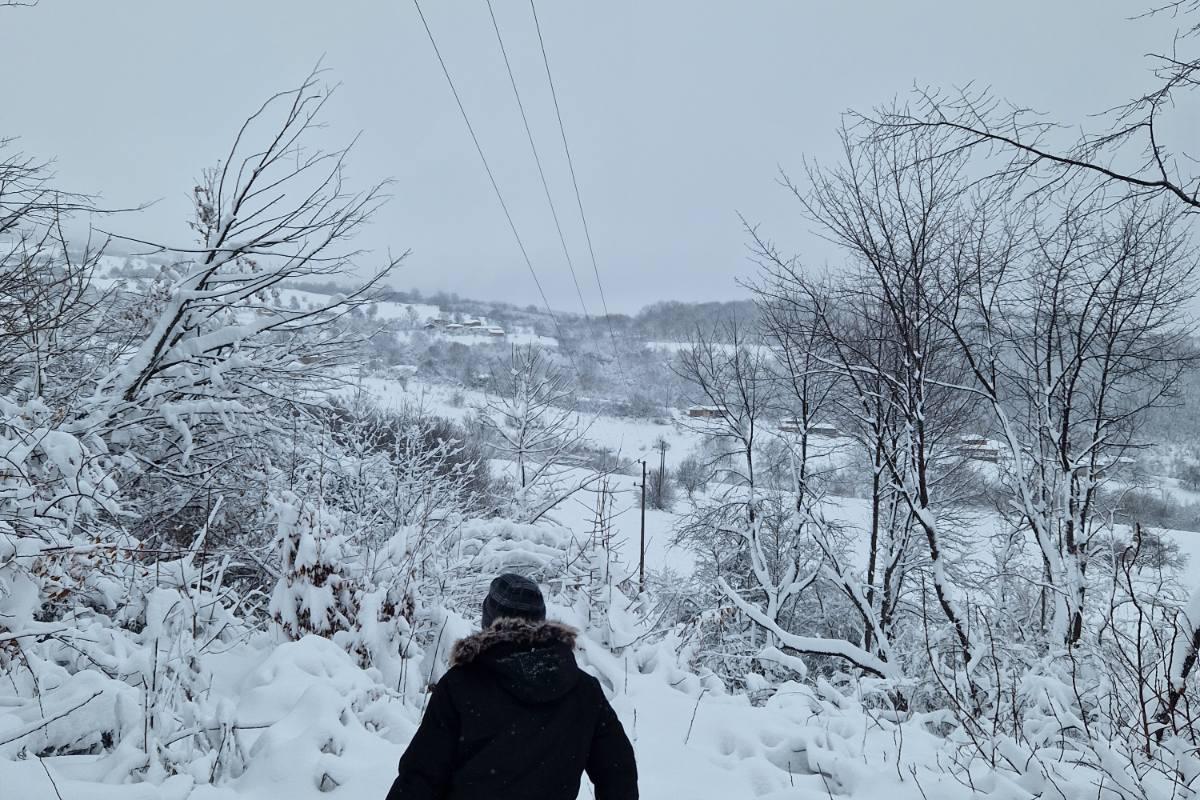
516	719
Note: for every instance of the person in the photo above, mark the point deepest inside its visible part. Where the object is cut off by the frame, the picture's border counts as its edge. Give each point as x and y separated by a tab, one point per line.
515	718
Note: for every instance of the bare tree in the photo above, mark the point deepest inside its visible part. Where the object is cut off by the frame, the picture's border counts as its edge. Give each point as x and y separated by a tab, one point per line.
806	384
755	553
213	345
1071	321
27	195
55	340
51	315
265	216
1131	150
814	335
1055	325
693	475
174	388
727	371
892	206
533	422
659	482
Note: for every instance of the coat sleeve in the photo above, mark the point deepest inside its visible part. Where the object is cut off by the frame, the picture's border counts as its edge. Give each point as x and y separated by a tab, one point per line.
611	765
427	764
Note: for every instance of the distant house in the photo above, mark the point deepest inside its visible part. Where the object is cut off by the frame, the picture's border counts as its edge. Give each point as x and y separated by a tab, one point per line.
473	323
706	412
494	331
1112	466
454	327
974	447
796	425
989	454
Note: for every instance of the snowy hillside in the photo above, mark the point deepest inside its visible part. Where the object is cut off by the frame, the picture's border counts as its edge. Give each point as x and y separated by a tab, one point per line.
308	719
910	513
302	663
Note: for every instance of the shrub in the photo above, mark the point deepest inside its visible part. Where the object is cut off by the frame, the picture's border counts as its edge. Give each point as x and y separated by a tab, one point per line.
1189	476
1158	510
660	490
692	476
639	406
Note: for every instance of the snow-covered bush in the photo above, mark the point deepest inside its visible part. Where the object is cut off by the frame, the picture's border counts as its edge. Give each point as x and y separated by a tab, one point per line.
312	595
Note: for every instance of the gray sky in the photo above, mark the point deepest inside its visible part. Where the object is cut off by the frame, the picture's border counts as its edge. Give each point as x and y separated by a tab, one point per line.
678	113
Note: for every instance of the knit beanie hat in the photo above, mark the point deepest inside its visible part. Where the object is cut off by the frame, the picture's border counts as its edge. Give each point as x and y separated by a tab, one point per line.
513	595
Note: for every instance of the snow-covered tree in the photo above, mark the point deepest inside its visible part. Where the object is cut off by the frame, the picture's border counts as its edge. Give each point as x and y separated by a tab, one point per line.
215	357
533	423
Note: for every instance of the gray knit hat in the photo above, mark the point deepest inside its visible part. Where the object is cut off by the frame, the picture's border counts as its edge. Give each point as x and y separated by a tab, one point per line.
513	595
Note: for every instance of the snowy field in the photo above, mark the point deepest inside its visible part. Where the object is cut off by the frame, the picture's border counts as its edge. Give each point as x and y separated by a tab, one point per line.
323	728
636	439
314	724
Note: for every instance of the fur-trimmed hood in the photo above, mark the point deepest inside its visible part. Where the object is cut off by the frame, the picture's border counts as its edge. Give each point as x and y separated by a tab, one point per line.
512	631
532	661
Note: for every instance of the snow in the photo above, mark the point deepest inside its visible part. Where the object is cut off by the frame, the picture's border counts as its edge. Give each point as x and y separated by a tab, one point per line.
314	719
636	439
480	336
216	586
312	722
578	513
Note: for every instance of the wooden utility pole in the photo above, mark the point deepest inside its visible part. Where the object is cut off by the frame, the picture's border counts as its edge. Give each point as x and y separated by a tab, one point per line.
642	548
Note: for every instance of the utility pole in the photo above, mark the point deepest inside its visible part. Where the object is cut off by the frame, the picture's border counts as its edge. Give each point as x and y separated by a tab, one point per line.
642	548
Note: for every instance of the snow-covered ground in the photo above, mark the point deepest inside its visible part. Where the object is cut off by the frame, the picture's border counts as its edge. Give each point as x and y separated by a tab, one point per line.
636	439
316	725
482	337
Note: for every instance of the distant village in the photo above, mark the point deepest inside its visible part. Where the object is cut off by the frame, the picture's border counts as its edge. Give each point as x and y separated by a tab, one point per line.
970	447
477	327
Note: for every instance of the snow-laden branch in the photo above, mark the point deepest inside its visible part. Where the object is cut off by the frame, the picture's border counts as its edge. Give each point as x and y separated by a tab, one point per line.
836	648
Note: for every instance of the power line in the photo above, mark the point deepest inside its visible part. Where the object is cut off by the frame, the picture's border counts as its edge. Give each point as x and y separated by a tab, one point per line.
574	182
537	159
495	186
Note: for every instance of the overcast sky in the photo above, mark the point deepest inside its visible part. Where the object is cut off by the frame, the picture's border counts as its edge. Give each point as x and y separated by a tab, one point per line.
678	113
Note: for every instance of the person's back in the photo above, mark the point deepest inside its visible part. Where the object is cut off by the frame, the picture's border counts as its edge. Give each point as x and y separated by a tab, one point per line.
515	718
